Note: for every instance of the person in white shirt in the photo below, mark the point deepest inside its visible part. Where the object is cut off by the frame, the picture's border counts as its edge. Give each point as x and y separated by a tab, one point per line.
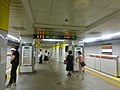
46	57
40	56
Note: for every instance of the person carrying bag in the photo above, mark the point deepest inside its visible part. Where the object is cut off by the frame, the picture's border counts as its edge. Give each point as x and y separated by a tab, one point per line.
81	64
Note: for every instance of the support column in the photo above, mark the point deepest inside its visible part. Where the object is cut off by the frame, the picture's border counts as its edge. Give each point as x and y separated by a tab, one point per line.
53	51
4	15
70	46
57	52
62	53
27	59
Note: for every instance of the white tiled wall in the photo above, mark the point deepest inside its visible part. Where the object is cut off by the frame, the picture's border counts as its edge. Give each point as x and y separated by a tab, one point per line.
97	49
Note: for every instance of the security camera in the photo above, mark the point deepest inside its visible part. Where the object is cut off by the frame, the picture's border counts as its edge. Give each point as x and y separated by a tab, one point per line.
66	20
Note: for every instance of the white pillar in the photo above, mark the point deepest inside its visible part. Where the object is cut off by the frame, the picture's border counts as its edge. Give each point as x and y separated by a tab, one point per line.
62	53
3	58
53	51
70	46
57	52
4	17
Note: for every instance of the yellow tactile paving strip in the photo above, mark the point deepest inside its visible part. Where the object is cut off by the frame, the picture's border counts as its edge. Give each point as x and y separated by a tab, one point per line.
106	79
8	74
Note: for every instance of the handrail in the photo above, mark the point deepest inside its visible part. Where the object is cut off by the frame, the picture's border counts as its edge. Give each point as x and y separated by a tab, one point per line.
103	55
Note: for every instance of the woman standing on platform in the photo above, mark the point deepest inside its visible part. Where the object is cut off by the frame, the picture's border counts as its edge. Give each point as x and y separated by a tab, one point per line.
69	66
81	64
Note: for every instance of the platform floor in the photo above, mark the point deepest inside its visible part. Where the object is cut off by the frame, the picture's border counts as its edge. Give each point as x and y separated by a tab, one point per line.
52	76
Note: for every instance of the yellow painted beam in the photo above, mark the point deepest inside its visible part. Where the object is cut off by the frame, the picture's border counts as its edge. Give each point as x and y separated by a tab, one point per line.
62	45
4	14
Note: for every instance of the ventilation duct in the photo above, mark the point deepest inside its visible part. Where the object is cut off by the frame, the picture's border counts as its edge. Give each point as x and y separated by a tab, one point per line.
81	4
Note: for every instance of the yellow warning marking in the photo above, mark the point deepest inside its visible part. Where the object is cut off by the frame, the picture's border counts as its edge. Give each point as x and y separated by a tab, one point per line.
118	79
8	75
108	80
8	67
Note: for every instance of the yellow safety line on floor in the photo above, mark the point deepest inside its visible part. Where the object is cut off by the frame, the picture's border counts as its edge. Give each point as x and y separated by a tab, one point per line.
118	79
106	79
8	67
113	77
8	75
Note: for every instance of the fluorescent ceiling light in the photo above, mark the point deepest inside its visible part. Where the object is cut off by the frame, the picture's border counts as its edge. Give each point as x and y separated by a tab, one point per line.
12	37
24	42
108	36
116	34
104	37
52	40
91	40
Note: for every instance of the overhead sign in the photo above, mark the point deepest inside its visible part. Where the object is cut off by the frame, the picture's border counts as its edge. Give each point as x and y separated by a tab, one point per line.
41	36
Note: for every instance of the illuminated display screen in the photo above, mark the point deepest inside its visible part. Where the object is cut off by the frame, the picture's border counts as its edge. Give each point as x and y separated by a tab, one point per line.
38	36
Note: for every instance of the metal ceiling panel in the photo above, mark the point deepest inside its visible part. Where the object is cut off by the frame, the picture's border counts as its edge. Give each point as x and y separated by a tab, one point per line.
52	14
101	3
115	4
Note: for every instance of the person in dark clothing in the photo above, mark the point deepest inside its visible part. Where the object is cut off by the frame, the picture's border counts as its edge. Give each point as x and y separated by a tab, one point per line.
15	63
69	66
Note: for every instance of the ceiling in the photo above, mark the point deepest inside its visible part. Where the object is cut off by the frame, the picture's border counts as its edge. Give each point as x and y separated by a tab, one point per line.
27	16
18	20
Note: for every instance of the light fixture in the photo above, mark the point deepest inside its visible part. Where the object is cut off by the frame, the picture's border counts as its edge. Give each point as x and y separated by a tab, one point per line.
81	4
91	39
52	40
13	38
108	36
24	42
103	37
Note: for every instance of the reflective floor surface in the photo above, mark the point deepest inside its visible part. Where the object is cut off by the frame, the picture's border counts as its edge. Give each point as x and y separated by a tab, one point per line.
52	76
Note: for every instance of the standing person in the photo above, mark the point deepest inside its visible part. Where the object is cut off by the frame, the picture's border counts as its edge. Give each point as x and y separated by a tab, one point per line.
81	64
10	54
40	56
69	66
46	56
15	63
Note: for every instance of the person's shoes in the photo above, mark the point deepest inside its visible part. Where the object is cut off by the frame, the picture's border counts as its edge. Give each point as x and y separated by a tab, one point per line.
69	74
8	86
14	84
77	75
82	78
